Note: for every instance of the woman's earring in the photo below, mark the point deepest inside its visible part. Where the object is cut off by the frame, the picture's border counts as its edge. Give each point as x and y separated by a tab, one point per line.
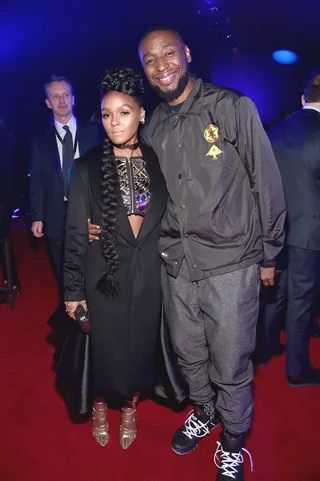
142	120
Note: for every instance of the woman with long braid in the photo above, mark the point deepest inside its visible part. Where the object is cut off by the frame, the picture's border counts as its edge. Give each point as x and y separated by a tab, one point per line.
120	187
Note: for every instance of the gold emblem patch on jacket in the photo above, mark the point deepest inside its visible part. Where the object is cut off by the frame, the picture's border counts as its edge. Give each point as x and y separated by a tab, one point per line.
211	134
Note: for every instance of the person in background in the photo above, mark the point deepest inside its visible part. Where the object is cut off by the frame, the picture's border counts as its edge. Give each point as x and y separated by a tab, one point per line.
52	154
296	144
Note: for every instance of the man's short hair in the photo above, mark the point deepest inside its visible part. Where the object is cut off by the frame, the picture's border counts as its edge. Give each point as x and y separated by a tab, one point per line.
56	78
312	87
162	29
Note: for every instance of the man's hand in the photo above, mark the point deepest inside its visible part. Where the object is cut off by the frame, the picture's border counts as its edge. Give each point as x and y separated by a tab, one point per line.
267	276
94	231
71	306
37	228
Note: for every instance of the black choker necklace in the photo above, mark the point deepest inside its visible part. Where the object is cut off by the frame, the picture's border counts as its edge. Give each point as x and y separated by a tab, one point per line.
127	146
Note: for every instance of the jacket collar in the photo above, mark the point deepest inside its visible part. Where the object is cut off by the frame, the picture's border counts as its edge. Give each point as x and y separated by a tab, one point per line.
80	123
84	140
72	124
192	104
311	107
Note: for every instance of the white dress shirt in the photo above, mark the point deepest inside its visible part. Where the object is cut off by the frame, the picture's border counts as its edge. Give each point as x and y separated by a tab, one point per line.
72	124
312	107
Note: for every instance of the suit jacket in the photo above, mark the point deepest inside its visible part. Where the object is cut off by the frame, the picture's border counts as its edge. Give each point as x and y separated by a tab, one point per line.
46	179
296	144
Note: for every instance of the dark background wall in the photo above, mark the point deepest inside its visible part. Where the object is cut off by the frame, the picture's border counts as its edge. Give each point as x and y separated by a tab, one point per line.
81	38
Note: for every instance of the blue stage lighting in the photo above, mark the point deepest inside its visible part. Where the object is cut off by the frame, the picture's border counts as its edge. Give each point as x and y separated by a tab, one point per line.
286	57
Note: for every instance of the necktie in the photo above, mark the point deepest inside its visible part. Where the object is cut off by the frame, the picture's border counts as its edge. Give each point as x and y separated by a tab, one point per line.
67	158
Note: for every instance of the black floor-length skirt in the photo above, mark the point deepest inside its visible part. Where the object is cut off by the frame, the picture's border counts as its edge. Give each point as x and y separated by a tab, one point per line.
73	365
125	329
128	352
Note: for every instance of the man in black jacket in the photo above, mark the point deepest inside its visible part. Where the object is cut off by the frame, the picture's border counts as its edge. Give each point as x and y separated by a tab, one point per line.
296	144
222	231
53	152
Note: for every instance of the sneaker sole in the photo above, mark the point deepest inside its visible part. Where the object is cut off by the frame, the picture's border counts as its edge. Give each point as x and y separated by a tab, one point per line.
183	454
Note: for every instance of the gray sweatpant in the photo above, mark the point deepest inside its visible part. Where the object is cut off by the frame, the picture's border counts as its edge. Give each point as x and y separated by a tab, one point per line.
212	324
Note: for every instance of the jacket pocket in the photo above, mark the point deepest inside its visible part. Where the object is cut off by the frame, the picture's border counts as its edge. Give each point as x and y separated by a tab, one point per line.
224	227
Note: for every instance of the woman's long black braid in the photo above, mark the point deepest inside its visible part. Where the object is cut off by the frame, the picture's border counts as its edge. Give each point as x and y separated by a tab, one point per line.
109	200
123	80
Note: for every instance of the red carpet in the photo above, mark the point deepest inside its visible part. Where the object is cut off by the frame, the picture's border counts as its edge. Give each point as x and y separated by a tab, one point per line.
39	443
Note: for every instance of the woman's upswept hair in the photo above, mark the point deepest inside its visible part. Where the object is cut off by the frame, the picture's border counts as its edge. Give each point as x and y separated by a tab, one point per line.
126	81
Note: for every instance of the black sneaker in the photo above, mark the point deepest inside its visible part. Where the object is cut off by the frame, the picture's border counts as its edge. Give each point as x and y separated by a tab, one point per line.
229	457
197	426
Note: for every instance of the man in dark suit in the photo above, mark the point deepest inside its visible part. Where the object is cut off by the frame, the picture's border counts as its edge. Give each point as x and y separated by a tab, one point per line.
53	152
296	143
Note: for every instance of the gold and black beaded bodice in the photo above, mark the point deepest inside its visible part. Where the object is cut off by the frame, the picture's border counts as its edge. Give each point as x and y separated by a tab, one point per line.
134	184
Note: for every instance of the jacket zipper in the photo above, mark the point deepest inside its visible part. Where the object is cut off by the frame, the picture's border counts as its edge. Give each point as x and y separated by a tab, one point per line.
131	185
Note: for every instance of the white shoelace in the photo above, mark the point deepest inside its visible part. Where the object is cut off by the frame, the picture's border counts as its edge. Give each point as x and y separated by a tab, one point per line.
229	462
194	427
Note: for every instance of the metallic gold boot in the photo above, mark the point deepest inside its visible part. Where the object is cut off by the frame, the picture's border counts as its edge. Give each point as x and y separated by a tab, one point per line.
100	426
128	427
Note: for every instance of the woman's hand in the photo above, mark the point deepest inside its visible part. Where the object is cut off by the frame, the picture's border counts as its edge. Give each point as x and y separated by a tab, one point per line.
71	306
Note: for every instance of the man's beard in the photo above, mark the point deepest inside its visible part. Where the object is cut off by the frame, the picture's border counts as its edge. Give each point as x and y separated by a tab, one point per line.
177	92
